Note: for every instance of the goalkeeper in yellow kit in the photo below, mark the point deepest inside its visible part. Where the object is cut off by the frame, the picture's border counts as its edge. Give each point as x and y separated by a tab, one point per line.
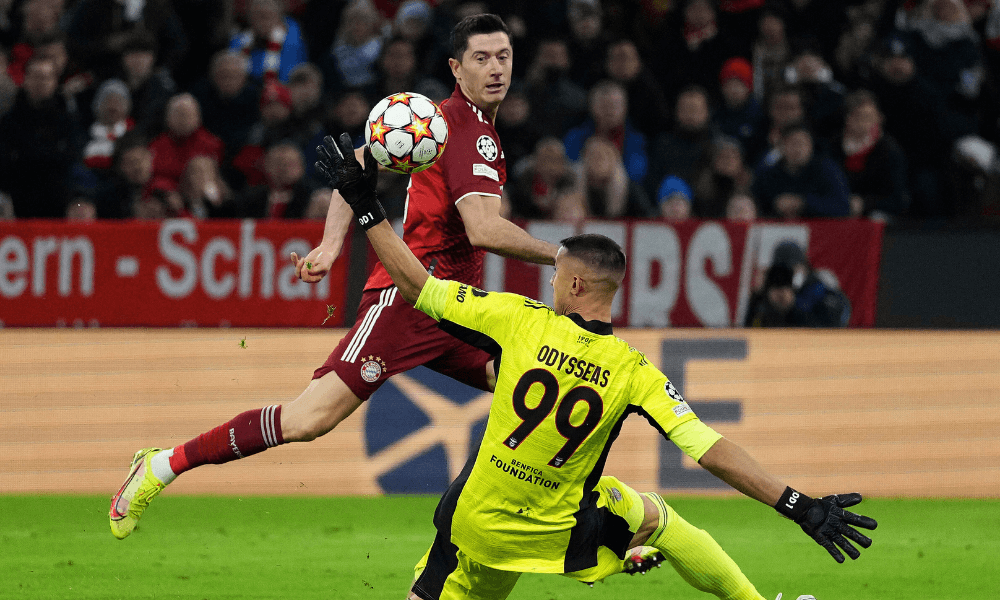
532	498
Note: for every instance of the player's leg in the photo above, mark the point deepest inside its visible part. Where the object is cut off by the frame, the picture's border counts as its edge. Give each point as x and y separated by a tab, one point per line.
337	390
694	554
447	573
325	402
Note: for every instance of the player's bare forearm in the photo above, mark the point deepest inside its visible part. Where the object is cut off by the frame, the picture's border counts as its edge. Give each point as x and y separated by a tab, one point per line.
338	219
732	464
397	258
488	230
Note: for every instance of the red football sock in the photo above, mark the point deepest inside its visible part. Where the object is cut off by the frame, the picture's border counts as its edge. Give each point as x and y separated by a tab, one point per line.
248	433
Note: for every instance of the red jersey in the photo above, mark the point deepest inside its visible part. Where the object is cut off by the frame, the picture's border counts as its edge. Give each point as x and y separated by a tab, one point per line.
472	163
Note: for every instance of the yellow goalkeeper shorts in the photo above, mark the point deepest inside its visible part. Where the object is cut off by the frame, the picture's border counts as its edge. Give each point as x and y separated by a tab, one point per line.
473	580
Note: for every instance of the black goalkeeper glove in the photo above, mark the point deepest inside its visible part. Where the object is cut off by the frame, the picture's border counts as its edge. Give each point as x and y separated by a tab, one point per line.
826	521
344	173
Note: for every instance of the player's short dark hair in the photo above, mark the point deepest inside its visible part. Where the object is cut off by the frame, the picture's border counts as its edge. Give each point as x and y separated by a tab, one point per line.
474	25
597	251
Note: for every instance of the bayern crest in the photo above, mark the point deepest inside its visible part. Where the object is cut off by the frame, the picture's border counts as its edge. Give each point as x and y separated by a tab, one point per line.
372	368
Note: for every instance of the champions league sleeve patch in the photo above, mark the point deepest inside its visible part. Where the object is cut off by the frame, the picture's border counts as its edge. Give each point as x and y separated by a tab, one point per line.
672	392
487	147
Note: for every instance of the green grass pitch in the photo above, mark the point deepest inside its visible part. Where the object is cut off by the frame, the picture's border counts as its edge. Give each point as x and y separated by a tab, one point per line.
216	548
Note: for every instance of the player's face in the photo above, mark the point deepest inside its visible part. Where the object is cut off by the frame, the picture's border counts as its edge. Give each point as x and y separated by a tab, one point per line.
485	68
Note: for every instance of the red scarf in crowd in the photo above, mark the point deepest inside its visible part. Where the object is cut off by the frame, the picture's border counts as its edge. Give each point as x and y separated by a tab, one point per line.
857	152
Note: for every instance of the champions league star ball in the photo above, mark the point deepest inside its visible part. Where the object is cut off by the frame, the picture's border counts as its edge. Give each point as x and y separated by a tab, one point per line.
406	132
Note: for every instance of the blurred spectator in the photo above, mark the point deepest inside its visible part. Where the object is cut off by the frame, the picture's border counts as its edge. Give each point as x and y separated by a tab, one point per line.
906	99
112	105
740	116
8	89
695	47
183	139
608	192
774	304
723	175
131	179
587	40
274	126
100	29
609	119
556	101
319	204
272	42
802	184
151	88
208	25
229	100
201	192
399	72
40	24
813	23
770	53
786	107
686	148
81	210
647	101
824	97
354	55
674	199
8	24
517	126
285	195
543	184
873	161
305	123
794	295
741	207
38	145
945	49
853	49
414	22
350	114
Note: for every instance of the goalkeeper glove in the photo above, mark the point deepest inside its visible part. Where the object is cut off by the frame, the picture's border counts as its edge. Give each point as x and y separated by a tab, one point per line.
826	521
344	173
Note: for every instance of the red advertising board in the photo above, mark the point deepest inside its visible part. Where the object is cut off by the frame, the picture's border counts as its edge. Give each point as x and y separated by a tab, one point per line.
701	273
163	273
219	273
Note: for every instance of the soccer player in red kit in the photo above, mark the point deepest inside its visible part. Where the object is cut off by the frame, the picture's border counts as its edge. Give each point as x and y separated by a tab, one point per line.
452	218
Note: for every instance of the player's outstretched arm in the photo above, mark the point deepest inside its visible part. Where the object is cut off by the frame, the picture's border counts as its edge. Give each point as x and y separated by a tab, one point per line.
822	519
339	163
315	265
490	231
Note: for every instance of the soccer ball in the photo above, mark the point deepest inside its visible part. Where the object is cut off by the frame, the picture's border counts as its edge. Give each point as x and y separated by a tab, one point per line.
406	132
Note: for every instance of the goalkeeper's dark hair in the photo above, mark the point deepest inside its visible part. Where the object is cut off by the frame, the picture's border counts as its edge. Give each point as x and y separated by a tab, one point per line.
474	25
598	252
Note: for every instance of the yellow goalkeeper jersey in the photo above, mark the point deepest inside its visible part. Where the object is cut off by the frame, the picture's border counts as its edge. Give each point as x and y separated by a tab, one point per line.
526	501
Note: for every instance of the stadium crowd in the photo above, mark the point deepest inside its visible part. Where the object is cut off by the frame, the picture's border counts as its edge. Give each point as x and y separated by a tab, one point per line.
678	109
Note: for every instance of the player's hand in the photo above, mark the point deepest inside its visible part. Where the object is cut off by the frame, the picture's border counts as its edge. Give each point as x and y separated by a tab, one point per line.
831	526
355	184
315	265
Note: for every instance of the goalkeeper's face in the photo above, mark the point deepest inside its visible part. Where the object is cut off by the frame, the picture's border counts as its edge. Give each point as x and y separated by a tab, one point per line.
485	69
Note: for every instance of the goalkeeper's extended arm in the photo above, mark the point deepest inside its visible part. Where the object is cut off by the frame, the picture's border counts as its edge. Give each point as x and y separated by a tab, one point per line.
823	519
341	167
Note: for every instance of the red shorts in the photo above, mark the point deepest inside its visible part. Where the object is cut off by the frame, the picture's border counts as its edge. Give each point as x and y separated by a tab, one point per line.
389	337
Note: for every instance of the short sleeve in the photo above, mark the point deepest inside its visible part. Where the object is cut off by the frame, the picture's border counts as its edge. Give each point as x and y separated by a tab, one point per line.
473	161
498	315
659	399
